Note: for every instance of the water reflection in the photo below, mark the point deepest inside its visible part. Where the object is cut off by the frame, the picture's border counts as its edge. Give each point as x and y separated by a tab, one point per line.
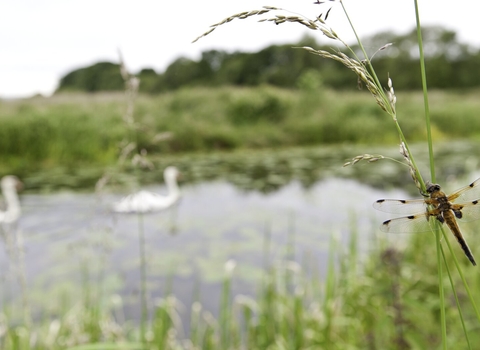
268	170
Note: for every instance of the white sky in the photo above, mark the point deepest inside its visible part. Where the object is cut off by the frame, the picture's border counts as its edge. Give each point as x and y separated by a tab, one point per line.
41	40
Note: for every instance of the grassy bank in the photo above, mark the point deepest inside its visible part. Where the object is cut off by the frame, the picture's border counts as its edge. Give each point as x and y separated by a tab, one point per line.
71	130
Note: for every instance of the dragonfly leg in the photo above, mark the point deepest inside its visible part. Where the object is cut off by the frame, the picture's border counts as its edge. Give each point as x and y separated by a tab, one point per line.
440	218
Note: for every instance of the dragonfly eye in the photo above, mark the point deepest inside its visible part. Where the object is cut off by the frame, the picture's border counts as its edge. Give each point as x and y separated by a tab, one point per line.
432	187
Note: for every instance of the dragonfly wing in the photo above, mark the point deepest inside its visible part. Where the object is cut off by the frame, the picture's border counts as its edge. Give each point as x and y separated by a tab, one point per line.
409	224
470	211
468	193
400	206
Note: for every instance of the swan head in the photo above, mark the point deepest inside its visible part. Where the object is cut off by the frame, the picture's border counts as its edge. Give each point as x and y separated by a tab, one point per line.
171	172
11	182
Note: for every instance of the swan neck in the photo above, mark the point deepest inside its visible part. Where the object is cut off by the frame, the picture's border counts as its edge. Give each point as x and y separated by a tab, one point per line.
13	203
172	185
11	197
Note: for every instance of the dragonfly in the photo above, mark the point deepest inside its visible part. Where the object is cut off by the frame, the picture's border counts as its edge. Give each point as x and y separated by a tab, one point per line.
462	205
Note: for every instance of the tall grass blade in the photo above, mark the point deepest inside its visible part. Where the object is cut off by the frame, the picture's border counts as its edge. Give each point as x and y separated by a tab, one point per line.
329	298
462	276
441	293
143	278
425	92
457	302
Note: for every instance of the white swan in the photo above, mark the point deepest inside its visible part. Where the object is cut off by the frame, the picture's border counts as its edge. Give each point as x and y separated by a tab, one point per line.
10	184
144	201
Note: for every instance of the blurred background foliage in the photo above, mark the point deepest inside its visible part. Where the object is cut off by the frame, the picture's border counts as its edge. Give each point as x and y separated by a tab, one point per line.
74	129
281	96
451	64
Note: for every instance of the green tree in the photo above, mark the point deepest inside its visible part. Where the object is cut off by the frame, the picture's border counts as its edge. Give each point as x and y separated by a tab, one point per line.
148	80
102	76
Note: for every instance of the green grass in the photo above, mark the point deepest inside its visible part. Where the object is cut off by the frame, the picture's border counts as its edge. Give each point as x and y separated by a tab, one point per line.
73	130
386	299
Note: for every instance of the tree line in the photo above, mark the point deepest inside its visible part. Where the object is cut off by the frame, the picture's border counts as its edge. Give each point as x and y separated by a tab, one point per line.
449	64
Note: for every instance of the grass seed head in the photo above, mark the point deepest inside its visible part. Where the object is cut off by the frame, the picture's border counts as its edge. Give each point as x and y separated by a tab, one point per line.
241	15
413	172
367	157
391	94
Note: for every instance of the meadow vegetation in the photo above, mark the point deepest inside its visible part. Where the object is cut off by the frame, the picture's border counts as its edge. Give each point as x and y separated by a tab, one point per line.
73	130
386	299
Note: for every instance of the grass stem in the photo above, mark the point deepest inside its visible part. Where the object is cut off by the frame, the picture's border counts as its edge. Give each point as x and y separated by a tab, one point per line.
143	278
425	92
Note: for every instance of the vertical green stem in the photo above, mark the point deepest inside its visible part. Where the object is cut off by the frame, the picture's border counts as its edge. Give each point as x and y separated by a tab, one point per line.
22	278
440	289
462	320
462	276
143	277
432	174
290	252
225	317
425	94
266	246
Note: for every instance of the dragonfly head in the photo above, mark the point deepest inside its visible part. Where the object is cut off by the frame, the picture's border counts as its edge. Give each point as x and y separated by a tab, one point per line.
432	187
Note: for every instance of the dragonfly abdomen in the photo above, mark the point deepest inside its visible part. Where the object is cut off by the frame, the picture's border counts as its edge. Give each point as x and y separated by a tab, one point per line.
452	224
466	249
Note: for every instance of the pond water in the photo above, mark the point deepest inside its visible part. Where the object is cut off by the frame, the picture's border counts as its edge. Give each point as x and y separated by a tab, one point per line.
73	237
